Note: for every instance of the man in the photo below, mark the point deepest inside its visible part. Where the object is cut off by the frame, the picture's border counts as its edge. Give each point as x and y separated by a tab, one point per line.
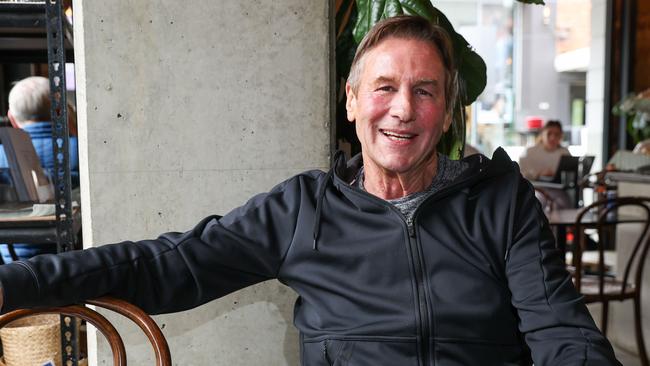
400	257
29	110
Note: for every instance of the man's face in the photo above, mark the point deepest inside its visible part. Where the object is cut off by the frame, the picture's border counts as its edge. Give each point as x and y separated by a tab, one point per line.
399	105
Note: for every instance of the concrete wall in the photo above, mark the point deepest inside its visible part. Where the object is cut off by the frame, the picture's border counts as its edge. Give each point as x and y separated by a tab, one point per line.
187	109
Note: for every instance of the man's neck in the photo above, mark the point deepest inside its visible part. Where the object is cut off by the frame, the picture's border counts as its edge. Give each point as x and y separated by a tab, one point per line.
23	124
390	185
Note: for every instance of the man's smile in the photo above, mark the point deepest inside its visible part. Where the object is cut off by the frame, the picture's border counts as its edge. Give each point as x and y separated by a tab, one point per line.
397	135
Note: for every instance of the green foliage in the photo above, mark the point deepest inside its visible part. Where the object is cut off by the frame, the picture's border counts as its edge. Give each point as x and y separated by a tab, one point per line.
472	74
636	110
538	2
471	68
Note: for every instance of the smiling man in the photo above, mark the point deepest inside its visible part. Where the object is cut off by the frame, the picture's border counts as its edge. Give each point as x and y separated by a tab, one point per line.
400	256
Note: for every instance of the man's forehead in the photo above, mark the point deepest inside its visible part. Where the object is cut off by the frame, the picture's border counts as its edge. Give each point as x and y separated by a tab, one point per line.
397	58
408	49
421	81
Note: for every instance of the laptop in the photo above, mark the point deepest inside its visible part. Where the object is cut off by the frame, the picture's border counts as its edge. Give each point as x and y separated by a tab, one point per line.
27	175
567	163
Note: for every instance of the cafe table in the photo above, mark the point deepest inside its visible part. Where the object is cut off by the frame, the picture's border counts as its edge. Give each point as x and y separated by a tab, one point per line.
561	219
31	224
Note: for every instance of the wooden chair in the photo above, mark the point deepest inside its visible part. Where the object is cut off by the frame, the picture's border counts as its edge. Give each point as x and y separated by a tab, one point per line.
135	314
598	285
545	199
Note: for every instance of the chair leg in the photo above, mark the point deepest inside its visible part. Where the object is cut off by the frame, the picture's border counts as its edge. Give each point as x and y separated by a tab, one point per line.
603	318
638	327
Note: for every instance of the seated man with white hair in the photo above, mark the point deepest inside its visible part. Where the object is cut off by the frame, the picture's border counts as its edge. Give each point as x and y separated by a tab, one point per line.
29	110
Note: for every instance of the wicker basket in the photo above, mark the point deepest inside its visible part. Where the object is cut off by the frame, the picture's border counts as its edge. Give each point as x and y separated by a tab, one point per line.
82	362
32	341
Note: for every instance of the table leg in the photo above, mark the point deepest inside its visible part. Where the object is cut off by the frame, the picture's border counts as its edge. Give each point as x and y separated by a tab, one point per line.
560	239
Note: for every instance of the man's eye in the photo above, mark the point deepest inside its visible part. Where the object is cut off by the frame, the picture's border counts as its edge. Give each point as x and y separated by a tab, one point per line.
423	92
385	88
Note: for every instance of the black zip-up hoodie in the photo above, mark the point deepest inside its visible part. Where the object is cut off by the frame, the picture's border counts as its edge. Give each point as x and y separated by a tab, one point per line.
476	281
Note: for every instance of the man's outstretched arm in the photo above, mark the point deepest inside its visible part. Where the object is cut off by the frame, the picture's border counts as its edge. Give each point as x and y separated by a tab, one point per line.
176	271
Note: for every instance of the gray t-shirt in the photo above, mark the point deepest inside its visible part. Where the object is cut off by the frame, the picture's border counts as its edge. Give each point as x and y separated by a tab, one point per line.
448	170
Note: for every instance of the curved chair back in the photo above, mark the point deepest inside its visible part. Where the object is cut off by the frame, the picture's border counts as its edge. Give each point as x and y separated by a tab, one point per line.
545	199
603	216
135	314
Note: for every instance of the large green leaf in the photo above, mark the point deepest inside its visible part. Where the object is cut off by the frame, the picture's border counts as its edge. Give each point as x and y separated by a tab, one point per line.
471	68
538	2
372	11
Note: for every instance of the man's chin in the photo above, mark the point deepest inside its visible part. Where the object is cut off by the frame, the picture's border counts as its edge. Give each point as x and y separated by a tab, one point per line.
398	166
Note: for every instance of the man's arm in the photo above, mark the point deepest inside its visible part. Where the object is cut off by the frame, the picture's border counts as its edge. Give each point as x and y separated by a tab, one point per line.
553	318
174	272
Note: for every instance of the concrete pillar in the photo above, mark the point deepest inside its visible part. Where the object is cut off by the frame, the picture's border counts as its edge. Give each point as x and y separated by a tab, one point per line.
187	109
595	104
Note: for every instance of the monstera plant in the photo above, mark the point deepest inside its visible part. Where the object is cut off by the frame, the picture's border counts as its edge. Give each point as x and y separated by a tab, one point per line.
354	18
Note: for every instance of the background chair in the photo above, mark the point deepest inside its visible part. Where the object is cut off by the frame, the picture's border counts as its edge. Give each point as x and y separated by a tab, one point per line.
595	281
547	202
139	317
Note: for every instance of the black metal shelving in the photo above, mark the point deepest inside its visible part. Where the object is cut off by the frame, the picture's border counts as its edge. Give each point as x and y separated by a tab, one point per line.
23	35
39	32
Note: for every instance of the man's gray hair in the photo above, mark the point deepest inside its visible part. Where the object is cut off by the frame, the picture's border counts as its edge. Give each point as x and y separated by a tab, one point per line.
29	99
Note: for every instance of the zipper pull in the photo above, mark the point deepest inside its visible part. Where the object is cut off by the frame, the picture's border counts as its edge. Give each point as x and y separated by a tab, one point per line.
411	230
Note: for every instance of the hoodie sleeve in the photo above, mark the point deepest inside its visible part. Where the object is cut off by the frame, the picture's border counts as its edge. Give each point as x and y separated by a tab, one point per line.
552	316
176	271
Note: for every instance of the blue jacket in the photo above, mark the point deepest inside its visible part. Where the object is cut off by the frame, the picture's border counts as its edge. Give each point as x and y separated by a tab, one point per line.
41	135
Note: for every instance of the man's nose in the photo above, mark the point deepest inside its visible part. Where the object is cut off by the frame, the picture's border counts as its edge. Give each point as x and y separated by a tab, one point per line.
402	106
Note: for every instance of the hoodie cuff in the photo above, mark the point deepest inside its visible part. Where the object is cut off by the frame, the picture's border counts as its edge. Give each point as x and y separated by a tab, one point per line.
19	287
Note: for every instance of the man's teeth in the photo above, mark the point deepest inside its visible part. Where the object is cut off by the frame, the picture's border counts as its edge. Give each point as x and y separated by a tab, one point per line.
397	136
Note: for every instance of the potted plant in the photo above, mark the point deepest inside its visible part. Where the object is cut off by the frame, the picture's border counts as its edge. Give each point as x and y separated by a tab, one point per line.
636	109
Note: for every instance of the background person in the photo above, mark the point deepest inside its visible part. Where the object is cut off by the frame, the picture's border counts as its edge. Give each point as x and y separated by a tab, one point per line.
541	161
543	158
29	110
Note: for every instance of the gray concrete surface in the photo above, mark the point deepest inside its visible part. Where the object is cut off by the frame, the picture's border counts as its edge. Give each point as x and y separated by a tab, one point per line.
186	109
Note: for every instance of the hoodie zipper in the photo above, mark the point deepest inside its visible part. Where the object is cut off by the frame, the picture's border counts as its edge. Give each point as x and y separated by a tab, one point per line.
425	330
418	267
423	326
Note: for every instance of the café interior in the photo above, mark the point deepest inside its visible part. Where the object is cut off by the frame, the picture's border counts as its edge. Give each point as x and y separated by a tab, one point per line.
155	99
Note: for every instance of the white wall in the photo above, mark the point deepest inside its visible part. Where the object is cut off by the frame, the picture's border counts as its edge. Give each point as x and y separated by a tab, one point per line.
186	109
595	104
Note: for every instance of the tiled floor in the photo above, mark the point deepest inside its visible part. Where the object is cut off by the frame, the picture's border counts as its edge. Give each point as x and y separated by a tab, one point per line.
626	358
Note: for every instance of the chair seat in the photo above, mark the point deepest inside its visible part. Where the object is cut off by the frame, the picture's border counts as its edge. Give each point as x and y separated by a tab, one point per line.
589	287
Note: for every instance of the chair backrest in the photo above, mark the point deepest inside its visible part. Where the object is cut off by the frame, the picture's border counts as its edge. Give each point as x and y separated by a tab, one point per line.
545	199
603	216
135	314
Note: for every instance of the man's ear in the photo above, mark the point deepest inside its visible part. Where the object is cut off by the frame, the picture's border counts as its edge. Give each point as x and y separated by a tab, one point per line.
449	118
350	102
12	119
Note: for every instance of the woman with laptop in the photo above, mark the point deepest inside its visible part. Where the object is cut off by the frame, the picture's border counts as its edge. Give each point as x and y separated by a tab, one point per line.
540	162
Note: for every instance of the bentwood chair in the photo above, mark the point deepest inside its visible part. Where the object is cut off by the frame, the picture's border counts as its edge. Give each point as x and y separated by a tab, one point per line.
135	314
545	199
596	282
